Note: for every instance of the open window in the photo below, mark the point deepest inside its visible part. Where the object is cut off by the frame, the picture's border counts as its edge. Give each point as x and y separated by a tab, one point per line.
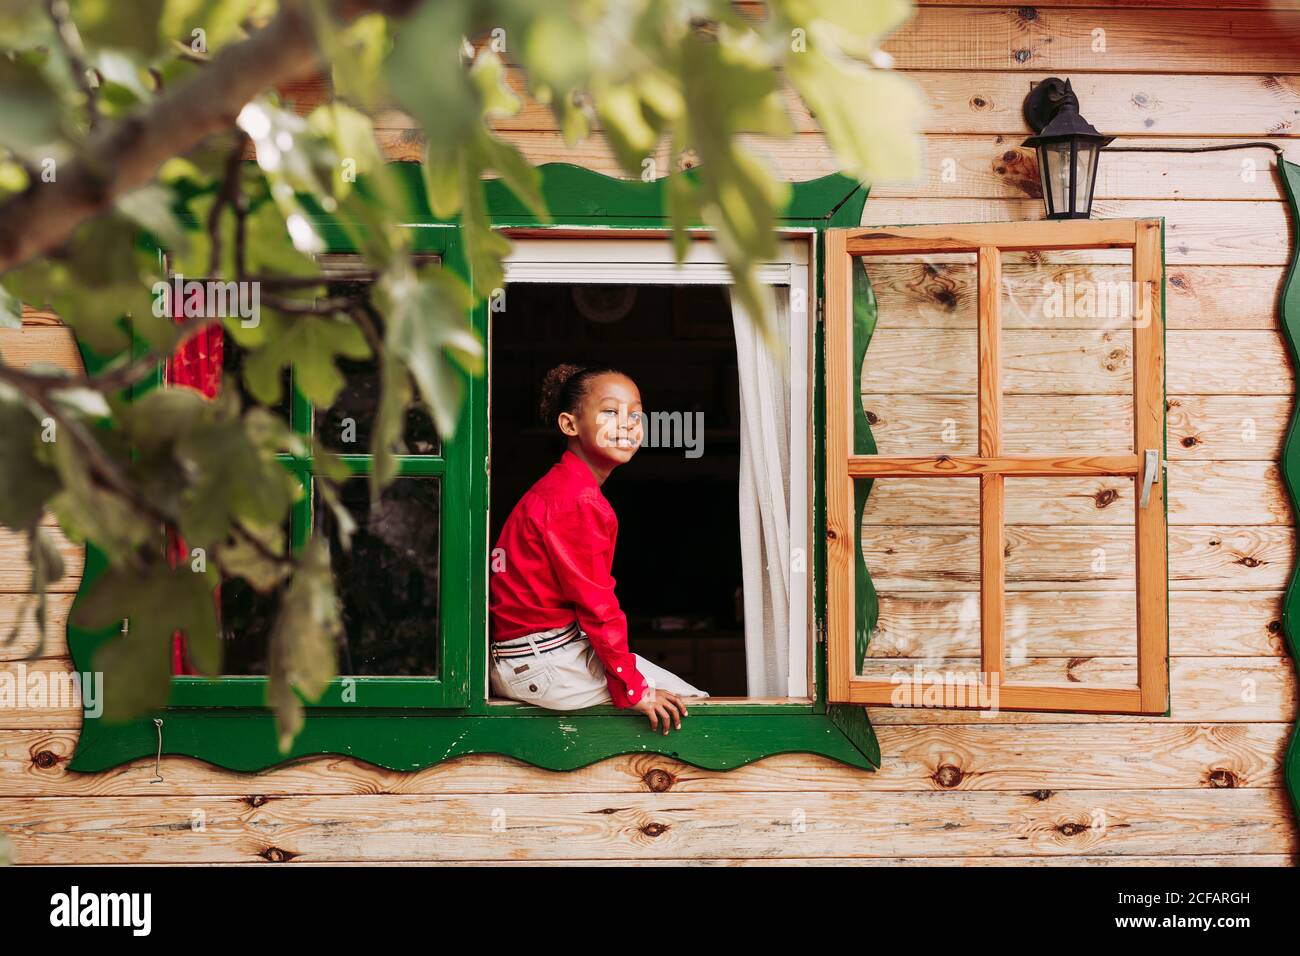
719	498
599	280
995	482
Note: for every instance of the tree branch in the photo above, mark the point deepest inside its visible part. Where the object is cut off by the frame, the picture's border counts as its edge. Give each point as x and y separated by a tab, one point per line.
124	155
73	51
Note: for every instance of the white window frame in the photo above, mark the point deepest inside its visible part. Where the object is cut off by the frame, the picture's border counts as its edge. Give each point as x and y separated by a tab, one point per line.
597	257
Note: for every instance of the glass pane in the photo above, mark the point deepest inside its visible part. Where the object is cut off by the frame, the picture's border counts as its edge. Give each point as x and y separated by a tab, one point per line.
247	616
1067	352
1071	608
388	581
920	541
919	376
1084	162
1056	178
345	427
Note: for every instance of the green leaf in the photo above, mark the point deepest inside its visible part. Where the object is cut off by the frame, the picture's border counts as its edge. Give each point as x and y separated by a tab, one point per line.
110	23
242	558
26	481
236	476
11	310
524	179
29	105
304	641
157	601
152	207
427	328
312	343
869	116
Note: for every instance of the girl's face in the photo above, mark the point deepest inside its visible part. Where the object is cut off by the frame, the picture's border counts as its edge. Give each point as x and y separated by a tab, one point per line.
609	424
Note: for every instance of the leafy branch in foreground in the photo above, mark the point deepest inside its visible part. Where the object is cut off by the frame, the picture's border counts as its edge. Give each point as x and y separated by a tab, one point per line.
125	131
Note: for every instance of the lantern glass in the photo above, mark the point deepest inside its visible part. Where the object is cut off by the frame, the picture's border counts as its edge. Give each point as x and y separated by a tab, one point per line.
1085	172
1067	168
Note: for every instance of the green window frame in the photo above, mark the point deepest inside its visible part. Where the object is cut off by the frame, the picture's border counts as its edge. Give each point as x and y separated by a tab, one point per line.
408	723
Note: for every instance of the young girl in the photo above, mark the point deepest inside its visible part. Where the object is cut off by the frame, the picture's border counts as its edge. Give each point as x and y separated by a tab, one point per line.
559	639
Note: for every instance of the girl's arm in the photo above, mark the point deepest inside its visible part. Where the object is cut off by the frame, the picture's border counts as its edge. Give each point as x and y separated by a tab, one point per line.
579	545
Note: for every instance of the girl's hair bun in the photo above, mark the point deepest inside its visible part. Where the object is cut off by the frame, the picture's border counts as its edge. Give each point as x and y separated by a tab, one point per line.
552	386
564	386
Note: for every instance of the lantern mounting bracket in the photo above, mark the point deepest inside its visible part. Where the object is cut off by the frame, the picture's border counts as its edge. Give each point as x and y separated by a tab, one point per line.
1044	99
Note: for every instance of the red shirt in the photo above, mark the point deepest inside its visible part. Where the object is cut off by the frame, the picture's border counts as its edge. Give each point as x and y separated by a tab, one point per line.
557	548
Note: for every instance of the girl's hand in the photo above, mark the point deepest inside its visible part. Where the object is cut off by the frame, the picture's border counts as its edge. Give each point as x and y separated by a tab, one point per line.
662	706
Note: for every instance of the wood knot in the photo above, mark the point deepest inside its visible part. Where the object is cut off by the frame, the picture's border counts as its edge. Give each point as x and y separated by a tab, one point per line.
273	854
255	801
1028	14
1190	441
1141	99
979	103
1274	626
45	759
1178	281
873	418
1105	497
654	829
1221	778
1249	561
947	776
1040	795
830	534
1072	829
658	781
1010	156
1023	54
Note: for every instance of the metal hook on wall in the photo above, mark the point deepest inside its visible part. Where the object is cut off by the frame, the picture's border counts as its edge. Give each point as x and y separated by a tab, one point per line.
157	760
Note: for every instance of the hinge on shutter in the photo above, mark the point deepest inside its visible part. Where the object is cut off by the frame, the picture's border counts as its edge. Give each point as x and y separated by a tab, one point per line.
821	630
820	310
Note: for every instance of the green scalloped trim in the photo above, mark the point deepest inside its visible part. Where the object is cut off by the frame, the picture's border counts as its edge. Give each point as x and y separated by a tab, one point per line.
245	741
1289	319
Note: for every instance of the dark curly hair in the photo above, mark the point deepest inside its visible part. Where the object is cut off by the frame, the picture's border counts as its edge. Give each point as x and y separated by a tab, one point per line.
565	386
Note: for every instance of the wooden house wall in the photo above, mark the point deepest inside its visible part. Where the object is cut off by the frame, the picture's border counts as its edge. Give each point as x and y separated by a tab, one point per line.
1202	786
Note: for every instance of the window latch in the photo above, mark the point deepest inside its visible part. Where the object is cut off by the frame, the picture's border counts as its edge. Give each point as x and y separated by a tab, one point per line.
1150	475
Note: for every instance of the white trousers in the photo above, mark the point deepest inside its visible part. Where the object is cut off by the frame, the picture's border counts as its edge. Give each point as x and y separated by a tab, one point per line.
571	677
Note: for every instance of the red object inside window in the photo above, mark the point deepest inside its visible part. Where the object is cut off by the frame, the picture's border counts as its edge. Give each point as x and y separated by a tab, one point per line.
196	364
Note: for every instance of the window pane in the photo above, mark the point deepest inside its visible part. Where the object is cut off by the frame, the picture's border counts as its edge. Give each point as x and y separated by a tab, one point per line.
1071	608
388	581
1067	351
247	617
919	375
346	426
921	542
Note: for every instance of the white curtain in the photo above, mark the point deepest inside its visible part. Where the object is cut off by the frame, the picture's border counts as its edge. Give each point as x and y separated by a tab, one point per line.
765	494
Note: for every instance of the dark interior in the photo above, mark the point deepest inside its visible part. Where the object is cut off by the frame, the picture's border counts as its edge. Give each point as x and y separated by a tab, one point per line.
677	561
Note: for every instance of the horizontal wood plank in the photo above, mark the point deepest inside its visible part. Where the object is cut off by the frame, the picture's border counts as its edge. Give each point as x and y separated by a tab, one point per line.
1121	756
163	829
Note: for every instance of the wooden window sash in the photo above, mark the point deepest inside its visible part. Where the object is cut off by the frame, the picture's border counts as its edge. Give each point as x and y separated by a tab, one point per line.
988	241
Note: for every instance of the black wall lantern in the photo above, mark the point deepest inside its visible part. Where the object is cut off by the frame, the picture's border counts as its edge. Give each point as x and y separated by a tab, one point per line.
1068	149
